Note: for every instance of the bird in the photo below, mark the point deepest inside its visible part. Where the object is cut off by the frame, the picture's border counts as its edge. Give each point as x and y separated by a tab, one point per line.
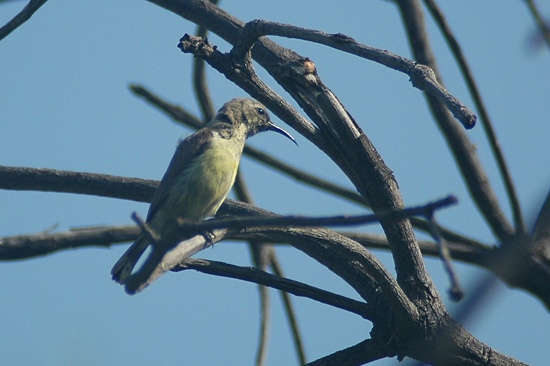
198	178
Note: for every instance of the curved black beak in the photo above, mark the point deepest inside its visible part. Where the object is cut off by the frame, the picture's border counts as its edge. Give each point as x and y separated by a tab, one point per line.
275	128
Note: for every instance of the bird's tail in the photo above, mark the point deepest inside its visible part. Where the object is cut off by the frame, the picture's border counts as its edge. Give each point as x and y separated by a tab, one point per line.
124	266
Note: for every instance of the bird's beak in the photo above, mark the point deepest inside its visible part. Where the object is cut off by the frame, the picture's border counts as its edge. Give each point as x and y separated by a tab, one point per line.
275	128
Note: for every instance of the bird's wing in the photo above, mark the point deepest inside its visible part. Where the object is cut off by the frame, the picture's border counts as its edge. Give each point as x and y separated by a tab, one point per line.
186	151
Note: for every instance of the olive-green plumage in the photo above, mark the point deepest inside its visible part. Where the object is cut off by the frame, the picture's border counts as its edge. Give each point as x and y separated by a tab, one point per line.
199	177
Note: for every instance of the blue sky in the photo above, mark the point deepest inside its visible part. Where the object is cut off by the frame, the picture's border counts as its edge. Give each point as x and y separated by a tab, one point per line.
65	104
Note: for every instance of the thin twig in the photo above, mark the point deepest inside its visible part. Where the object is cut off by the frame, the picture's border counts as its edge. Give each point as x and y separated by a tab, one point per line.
21	18
479	255
262	255
465	156
456	293
260	277
362	353
200	85
265	316
259	251
486	121
543	28
291	314
541	229
174	111
297	221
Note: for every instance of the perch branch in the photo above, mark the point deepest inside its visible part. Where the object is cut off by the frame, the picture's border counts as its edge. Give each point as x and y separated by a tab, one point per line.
297	221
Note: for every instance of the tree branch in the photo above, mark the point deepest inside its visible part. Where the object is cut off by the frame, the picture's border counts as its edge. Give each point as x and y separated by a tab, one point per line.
360	354
543	28
486	121
463	151
421	76
301	221
21	18
255	275
289	309
28	246
51	180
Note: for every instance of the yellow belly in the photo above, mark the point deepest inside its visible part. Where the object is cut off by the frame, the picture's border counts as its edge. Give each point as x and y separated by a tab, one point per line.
201	189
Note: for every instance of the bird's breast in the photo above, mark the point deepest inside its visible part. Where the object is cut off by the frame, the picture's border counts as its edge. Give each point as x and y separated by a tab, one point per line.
202	188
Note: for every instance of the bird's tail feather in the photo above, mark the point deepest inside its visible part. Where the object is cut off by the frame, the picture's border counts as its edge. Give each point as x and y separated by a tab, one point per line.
124	266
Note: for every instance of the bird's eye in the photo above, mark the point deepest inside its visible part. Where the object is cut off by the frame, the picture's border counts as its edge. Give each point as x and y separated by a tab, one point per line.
261	111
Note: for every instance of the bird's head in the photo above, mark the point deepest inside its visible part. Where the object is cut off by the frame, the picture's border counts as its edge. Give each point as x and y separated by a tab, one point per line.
246	117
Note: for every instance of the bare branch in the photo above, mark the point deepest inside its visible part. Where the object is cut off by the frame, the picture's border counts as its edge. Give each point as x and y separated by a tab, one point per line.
51	180
360	354
455	291
480	255
21	18
175	112
463	151
334	251
543	28
421	76
367	276
200	85
486	121
259	251
297	221
264	254
251	84
258	276
182	247
28	246
291	314
541	231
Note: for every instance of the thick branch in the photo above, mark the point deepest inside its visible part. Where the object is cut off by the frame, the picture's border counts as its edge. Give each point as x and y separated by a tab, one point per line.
28	246
51	180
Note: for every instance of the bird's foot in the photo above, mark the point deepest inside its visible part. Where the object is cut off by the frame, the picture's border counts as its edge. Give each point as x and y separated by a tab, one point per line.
208	237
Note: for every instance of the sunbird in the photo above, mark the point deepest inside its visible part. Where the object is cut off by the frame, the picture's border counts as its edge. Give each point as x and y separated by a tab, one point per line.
199	176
